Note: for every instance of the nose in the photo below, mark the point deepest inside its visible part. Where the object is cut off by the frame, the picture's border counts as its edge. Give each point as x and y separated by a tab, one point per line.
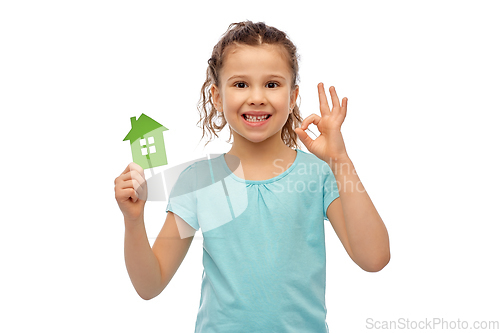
257	96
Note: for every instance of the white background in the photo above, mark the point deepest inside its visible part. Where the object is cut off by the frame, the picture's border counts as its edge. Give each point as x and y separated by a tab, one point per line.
422	78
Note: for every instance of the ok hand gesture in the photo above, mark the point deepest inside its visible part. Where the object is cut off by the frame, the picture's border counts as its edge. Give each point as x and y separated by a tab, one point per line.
329	145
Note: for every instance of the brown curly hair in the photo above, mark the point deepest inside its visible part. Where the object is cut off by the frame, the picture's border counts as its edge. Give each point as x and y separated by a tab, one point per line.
253	34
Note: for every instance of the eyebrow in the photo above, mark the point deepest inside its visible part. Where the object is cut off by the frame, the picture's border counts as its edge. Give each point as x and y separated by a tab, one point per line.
245	77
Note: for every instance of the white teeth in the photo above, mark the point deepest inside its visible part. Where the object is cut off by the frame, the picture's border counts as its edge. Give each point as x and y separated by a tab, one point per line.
255	119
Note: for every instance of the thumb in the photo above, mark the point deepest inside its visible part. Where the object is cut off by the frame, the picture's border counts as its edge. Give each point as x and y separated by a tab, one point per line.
306	140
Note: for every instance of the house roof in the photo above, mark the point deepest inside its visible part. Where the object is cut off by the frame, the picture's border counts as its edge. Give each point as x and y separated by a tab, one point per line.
142	126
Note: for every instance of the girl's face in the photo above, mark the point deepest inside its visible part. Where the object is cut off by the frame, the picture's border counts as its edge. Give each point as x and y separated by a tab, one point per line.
254	92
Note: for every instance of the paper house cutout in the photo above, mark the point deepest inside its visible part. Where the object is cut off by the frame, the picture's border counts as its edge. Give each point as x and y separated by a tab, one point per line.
146	142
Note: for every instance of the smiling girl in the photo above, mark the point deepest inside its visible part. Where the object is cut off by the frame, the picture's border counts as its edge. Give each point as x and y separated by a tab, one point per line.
265	265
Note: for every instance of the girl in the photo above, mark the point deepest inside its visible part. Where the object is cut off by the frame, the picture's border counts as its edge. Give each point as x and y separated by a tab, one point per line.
263	224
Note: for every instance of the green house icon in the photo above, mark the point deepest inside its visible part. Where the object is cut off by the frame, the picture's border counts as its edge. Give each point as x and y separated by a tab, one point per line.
146	142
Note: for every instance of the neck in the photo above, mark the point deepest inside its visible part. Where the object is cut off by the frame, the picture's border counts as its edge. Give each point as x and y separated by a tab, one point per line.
259	152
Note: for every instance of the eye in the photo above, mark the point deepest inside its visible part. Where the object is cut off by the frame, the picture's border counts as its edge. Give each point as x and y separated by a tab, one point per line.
240	84
273	84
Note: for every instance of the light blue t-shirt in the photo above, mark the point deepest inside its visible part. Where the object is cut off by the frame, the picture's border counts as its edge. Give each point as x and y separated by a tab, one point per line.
263	245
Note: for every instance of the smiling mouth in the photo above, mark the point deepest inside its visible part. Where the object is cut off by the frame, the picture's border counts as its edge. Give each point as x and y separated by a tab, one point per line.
255	119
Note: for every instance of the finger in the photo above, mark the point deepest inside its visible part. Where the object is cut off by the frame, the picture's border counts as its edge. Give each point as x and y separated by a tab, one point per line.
123	175
314	118
127	169
142	193
140	190
335	98
134	196
127	184
138	168
323	101
130	191
126	193
138	177
344	105
140	185
135	184
306	139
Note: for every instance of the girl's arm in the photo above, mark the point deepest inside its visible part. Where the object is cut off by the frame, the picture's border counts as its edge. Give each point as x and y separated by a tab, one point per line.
142	265
356	220
150	269
353	215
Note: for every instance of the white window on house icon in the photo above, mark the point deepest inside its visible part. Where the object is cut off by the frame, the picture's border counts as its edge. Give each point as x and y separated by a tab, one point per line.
144	149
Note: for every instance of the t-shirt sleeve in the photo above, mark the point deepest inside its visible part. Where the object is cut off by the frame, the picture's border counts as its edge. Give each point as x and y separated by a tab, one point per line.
330	189
182	199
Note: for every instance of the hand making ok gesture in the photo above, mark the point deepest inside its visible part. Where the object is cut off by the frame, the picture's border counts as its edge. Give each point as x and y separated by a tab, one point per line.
329	145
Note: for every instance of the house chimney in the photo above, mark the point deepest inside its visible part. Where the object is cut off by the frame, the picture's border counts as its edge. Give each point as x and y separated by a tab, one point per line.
132	121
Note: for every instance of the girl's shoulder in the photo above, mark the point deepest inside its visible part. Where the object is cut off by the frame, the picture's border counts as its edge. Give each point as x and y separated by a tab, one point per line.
204	171
307	157
310	164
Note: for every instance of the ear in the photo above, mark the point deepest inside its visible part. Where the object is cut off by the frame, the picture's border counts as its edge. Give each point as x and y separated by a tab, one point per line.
293	96
216	97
